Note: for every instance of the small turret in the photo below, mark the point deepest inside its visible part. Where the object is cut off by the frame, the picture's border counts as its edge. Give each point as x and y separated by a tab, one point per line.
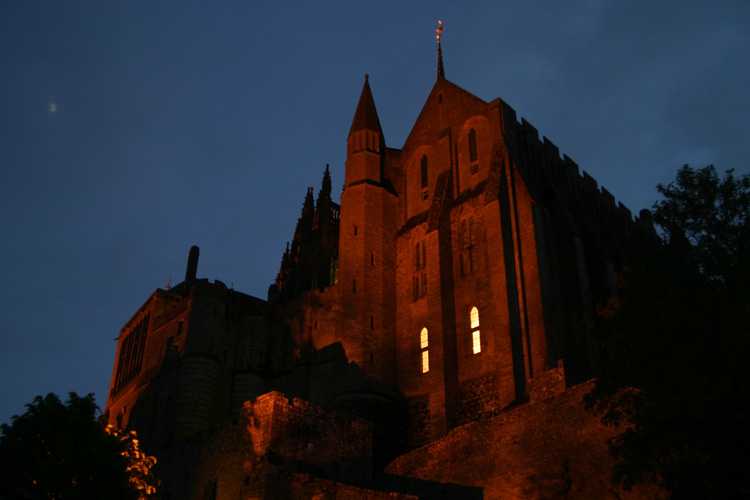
305	221
366	264
366	145
323	208
325	187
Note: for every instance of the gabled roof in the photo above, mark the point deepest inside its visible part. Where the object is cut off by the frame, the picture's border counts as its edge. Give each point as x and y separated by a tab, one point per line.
455	98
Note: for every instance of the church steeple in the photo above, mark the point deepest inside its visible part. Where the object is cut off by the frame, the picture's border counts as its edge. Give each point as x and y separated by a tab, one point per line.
440	68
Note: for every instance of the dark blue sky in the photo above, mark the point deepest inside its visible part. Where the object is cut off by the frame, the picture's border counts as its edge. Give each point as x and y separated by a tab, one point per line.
130	131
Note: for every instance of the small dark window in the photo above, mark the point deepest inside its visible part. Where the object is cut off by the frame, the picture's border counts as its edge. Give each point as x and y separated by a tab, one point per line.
467	257
468	235
372	323
472	146
421	255
355	230
473	156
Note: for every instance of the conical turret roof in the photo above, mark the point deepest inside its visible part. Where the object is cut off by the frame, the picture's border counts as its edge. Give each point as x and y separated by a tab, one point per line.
366	116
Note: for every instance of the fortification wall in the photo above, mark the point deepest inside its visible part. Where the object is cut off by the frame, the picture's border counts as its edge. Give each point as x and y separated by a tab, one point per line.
551	449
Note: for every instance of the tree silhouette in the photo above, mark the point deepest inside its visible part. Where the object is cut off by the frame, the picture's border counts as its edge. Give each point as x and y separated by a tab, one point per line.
59	451
675	378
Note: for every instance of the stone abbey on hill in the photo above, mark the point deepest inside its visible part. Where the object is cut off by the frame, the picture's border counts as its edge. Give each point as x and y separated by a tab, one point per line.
431	335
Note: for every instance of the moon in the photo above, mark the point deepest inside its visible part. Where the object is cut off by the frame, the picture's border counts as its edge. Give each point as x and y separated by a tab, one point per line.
52	107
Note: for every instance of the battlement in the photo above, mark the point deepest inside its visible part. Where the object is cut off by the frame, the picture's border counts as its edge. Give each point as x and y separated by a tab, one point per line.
553	179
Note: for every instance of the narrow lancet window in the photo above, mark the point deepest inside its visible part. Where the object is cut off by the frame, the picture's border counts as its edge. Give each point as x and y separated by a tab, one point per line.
475	338
472	146
468	241
425	355
425	191
473	156
421	255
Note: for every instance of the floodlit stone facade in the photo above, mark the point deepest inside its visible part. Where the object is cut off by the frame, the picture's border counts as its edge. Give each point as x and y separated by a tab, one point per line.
419	338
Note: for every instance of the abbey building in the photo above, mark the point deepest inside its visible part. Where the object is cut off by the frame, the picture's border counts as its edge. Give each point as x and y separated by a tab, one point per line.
432	334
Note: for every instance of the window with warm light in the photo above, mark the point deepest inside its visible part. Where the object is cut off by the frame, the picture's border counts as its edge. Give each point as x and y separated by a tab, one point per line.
475	338
425	355
333	277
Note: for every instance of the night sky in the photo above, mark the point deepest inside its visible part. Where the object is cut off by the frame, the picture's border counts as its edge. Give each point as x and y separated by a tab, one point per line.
130	131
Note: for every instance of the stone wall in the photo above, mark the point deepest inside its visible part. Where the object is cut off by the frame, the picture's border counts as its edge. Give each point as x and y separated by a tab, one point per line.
242	459
551	449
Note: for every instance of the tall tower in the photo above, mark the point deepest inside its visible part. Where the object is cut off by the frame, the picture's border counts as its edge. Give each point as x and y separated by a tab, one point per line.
367	251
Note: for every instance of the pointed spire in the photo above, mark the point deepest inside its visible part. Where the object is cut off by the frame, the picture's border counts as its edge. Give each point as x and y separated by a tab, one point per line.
309	206
306	220
325	188
366	117
440	68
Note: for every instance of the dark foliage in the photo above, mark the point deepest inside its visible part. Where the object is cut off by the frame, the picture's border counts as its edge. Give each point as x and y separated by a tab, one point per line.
59	451
676	342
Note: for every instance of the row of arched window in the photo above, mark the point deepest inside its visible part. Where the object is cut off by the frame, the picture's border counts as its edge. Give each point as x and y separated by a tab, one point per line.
476	343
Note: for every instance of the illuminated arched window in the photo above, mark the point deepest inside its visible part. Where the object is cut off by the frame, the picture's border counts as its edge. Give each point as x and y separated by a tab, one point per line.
425	356
475	339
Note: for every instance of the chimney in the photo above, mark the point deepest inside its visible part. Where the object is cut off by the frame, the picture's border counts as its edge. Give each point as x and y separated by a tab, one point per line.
192	269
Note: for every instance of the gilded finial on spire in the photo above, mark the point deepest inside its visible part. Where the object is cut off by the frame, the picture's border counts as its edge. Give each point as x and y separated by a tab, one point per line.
440	69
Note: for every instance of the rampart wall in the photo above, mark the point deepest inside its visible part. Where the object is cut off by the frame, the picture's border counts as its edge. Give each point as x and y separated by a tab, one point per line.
553	448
